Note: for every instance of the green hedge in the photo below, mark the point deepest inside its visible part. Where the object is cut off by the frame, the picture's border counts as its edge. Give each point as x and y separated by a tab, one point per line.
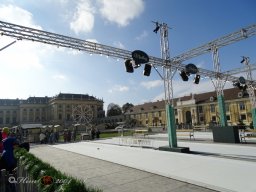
39	170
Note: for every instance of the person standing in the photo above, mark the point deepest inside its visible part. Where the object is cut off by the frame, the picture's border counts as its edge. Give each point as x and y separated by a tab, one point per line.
42	137
5	132
92	133
97	133
8	160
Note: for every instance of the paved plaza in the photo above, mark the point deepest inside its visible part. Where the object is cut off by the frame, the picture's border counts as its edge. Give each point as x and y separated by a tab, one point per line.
110	177
112	167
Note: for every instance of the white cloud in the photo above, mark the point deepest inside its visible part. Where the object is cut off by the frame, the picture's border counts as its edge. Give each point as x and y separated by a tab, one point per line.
92	40
119	88
183	88
83	18
118	44
22	54
152	84
59	77
121	12
159	97
14	14
143	35
23	63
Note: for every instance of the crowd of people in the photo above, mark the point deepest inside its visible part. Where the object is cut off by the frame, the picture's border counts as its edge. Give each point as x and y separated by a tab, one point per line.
50	137
94	133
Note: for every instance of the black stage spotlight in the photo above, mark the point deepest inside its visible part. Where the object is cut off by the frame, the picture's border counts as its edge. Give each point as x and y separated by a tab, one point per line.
245	59
184	75
128	66
157	27
240	86
147	70
197	79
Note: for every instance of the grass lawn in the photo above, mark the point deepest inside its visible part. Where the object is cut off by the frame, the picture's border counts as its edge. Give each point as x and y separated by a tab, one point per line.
115	134
103	135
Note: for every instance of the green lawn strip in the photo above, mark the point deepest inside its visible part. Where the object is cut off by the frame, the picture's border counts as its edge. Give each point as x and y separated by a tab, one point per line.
115	134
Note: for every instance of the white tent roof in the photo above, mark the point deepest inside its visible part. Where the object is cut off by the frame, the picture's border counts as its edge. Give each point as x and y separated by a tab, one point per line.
31	126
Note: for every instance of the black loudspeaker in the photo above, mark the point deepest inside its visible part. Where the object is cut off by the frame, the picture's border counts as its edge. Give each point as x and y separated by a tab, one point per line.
197	79
128	66
184	76
147	70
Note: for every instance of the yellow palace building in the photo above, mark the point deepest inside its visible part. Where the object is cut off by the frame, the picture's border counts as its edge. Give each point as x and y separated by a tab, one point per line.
195	109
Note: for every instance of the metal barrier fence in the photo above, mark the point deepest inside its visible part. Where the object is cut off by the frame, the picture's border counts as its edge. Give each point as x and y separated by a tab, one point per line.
136	141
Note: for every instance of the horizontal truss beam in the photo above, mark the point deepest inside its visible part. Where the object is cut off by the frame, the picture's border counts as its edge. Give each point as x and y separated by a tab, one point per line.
25	33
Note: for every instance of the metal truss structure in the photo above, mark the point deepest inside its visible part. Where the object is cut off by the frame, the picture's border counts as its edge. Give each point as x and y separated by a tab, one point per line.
241	70
170	65
175	63
168	72
250	88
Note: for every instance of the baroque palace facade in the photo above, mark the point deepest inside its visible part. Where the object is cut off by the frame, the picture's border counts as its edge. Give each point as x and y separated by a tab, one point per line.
195	109
62	109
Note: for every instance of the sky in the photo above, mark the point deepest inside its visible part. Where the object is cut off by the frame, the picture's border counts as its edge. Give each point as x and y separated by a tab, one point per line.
33	69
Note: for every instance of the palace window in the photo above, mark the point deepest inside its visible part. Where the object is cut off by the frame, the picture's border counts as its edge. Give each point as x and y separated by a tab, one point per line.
212	108
14	120
68	117
200	109
241	106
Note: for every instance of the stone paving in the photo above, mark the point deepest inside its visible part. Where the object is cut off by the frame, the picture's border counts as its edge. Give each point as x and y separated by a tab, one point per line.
110	177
